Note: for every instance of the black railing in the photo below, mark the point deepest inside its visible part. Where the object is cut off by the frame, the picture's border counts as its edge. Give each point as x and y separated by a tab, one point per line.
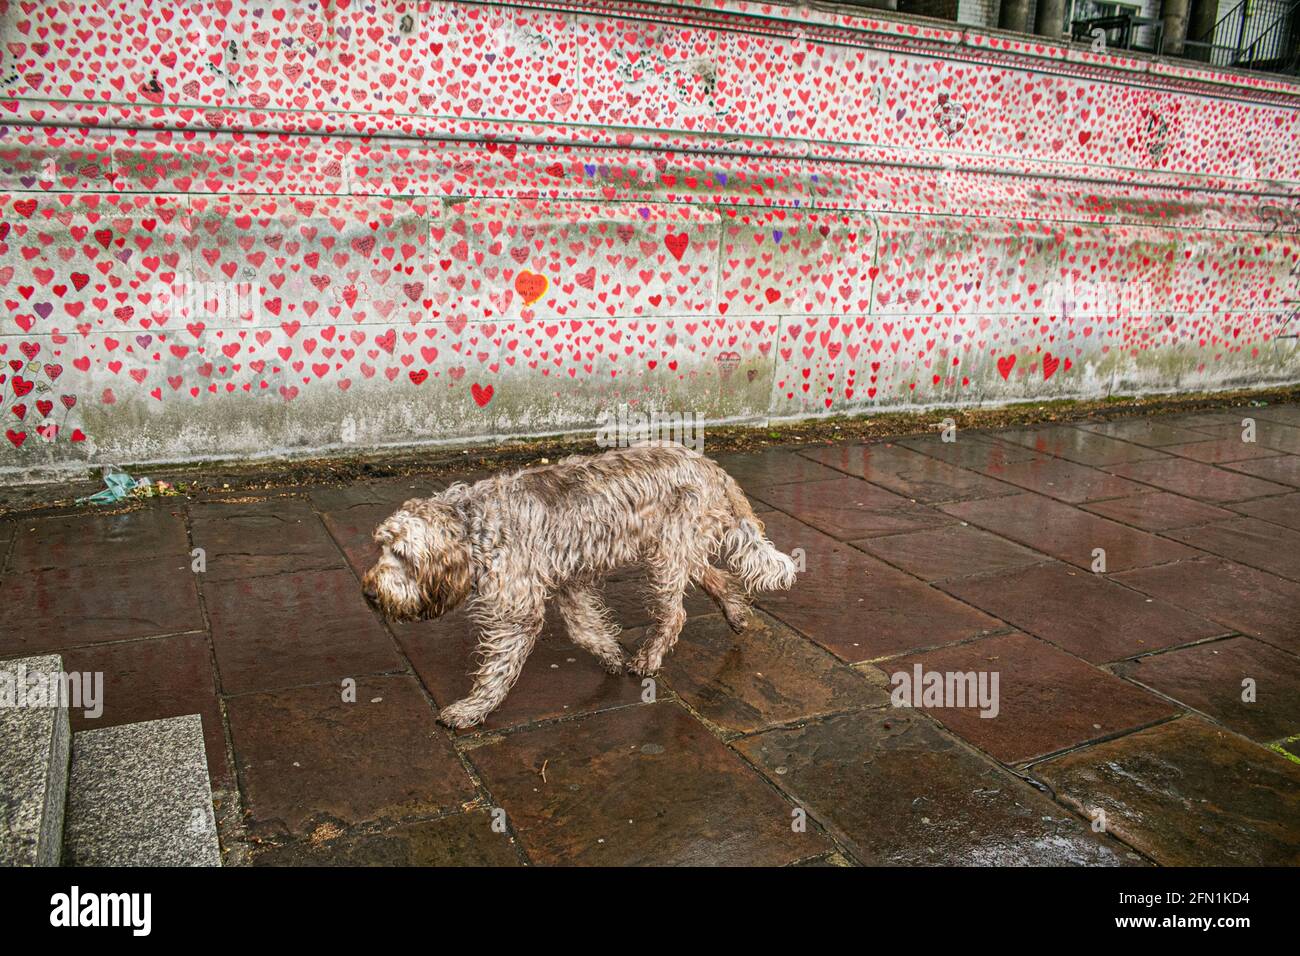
1222	42
1277	49
1254	35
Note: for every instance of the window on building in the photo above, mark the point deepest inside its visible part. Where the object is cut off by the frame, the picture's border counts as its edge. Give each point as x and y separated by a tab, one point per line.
1139	36
1091	10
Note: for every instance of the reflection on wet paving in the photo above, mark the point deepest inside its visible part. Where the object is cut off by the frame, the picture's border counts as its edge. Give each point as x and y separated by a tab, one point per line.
1120	684
908	473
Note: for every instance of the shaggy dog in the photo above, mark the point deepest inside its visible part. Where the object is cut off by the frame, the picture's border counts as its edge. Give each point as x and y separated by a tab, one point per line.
513	542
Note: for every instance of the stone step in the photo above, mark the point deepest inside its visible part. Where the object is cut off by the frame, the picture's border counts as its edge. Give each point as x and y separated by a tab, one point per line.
34	745
138	795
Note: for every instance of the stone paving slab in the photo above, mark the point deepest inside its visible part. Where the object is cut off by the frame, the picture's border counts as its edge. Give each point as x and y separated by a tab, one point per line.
1219	451
859	608
952	551
773	467
1207	421
1193	479
1234	596
1276	432
1158	511
977	451
388	493
1250	541
251	539
1063	480
560	678
898	791
908	473
646	785
1149	432
91	604
625	596
462	839
1067	533
849	508
1084	613
307	757
1187	794
295	628
1284	414
1209	678
1077	445
1283	470
1047	700
764	676
76	540
1280	509
1268	434
1282	437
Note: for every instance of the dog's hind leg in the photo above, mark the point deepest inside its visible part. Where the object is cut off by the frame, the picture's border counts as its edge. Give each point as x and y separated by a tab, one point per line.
668	580
505	642
727	594
589	624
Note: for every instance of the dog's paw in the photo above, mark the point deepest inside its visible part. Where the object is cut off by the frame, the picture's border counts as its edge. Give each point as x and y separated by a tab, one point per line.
643	664
737	617
613	665
460	715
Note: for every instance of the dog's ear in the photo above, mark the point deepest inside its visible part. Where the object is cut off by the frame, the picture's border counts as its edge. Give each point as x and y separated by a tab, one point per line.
443	567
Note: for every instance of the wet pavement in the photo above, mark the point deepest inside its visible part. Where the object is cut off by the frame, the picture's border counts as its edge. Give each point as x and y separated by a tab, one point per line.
1134	586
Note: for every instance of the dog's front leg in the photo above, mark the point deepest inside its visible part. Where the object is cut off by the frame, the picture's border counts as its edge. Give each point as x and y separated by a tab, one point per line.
504	644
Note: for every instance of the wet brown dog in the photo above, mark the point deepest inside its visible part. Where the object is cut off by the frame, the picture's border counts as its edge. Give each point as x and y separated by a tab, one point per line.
513	542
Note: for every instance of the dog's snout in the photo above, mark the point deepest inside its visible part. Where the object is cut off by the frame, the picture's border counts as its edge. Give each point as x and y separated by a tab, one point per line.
369	590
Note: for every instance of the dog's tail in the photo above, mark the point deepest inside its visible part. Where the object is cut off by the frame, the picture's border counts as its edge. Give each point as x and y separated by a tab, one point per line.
756	561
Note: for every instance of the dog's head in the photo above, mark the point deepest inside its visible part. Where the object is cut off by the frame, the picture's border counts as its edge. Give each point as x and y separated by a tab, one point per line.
424	570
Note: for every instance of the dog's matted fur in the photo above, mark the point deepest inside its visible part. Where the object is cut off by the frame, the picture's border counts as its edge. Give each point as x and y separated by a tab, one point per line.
513	542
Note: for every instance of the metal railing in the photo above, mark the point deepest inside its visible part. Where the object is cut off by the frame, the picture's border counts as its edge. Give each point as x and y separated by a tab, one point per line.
1277	48
1254	35
1220	44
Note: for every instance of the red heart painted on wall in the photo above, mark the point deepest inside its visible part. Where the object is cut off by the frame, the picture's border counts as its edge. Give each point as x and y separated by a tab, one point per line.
531	286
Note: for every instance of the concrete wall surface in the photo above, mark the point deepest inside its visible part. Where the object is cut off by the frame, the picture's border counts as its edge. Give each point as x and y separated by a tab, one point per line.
285	227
